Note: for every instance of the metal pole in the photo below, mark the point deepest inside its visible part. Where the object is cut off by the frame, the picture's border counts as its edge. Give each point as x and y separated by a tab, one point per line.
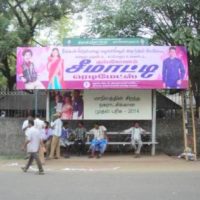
153	150
36	102
184	121
47	106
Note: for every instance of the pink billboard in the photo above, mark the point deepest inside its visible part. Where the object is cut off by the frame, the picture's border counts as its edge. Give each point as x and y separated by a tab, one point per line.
102	67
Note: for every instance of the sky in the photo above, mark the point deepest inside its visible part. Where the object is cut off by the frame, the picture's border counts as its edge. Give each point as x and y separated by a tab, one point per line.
51	35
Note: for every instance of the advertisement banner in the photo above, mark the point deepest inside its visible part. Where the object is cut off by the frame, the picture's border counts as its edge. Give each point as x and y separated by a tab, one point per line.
70	103
102	67
118	104
102	104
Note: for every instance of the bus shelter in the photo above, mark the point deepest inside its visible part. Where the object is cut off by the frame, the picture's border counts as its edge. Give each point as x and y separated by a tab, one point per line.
118	80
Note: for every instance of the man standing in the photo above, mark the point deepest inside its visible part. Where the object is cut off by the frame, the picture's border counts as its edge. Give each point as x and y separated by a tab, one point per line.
33	143
136	132
173	70
77	103
38	123
25	127
99	142
47	137
56	132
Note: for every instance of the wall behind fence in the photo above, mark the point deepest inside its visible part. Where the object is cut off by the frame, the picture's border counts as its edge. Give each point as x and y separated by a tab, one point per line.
11	136
169	134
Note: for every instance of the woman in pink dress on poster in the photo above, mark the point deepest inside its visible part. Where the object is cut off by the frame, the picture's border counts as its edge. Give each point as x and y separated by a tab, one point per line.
67	109
55	67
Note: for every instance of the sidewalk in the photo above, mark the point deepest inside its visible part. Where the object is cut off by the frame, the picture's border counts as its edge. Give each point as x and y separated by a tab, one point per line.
115	163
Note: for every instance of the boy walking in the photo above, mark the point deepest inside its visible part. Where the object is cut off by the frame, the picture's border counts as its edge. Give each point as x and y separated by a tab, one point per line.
32	144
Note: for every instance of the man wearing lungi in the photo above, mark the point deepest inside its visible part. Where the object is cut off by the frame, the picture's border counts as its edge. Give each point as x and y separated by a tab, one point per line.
99	141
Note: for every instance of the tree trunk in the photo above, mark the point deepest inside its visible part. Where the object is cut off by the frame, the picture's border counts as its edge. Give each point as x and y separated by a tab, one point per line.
11	82
196	92
6	69
197	98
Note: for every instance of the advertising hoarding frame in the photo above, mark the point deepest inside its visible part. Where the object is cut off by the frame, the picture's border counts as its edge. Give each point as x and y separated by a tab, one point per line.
102	67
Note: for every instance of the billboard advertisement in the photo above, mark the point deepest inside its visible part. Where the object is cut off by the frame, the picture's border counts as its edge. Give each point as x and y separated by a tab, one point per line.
102	67
102	104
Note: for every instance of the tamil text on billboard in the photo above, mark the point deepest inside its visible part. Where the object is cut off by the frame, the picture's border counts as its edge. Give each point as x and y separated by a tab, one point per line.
102	67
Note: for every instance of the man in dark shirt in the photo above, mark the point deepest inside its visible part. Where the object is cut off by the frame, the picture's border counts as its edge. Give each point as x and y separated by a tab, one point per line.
77	103
173	70
80	138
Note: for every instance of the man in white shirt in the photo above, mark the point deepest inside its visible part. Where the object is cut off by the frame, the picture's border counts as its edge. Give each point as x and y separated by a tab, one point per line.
47	137
136	131
39	124
25	125
32	144
56	132
99	141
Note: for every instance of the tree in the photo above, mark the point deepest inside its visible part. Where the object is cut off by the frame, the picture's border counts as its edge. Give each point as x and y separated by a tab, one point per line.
19	22
164	22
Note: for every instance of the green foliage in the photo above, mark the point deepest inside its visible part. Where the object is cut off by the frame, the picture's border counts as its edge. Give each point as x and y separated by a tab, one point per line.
20	22
186	37
164	22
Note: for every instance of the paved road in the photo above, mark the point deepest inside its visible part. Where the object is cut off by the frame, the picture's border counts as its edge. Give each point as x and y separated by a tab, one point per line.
105	182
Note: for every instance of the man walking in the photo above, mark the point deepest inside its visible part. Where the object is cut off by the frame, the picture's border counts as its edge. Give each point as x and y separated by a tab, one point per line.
32	143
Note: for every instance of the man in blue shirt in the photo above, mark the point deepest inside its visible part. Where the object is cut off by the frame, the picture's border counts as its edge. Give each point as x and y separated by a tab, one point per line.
173	70
65	139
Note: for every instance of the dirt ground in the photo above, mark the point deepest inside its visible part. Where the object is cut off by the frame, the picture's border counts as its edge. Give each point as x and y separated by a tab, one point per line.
122	163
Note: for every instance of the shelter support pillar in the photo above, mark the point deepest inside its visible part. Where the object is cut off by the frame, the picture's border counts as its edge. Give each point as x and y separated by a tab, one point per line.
189	125
185	121
36	102
153	150
47	105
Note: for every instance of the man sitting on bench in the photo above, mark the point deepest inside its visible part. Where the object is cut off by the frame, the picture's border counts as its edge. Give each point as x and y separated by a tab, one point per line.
136	132
99	141
80	138
65	139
